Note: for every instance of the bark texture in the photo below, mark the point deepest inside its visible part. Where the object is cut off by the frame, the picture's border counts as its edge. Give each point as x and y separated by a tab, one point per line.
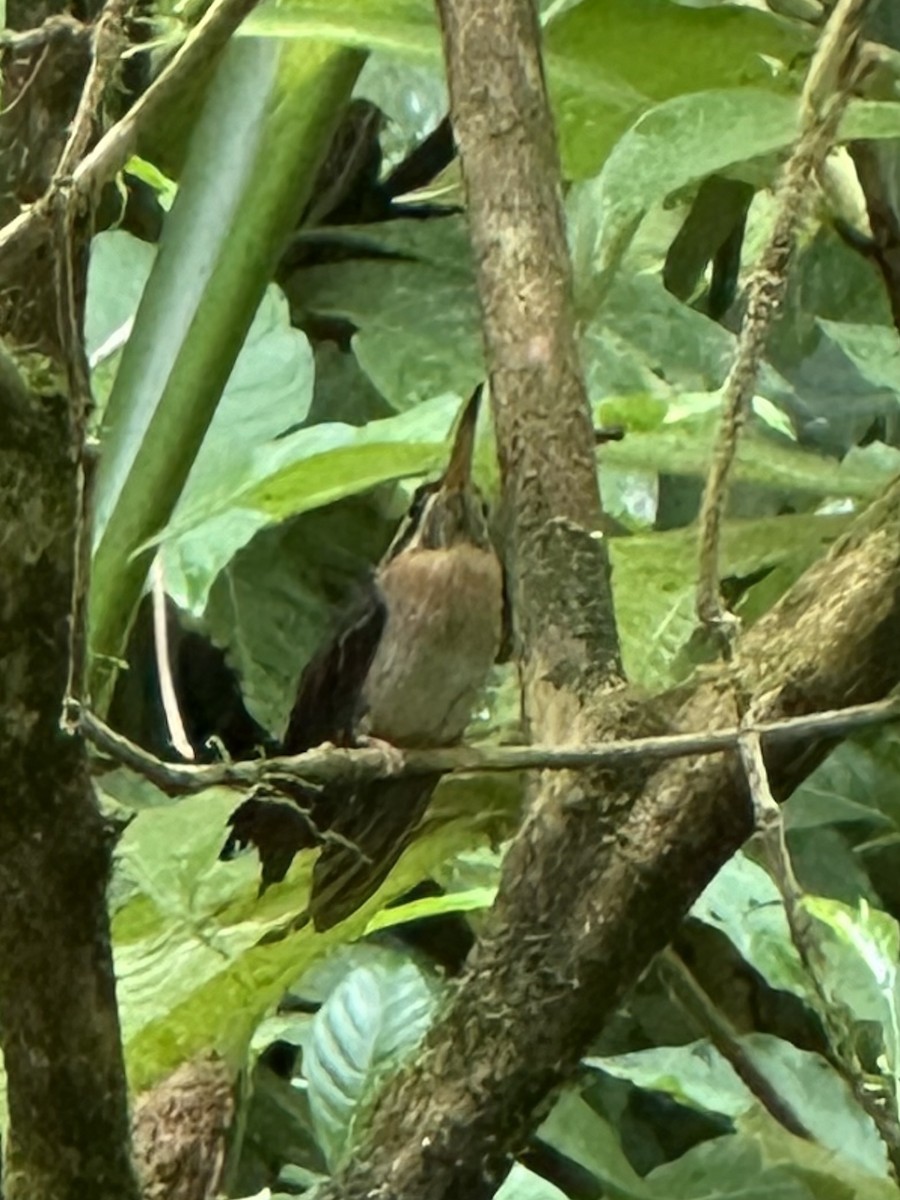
607	862
594	887
68	1122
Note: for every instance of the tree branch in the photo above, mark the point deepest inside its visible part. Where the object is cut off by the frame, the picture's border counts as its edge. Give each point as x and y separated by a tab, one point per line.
65	1077
329	765
832	74
607	861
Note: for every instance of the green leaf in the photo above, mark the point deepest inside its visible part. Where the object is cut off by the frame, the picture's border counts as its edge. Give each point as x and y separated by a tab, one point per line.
598	54
680	350
418	323
744	903
433	906
857	783
681	141
397	26
654	578
371	1021
765	1164
825	1175
862	947
522	1184
201	958
676	143
320	464
699	1076
872	349
267	119
684	448
582	1135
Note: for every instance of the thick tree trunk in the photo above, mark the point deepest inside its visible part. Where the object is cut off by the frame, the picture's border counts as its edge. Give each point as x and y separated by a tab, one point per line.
607	862
67	1100
68	1133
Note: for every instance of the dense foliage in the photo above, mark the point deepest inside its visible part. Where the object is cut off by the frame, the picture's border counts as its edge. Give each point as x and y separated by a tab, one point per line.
277	458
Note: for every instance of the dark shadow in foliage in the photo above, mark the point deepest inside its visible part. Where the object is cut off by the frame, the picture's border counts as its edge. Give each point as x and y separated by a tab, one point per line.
208	690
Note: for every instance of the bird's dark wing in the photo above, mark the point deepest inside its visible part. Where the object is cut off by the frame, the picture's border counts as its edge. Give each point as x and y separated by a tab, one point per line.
328	702
326	709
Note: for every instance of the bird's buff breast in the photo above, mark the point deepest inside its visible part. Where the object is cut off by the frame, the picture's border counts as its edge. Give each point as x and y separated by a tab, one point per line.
441	638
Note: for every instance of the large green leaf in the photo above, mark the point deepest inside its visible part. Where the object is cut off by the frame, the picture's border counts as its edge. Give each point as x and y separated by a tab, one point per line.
676	348
765	1163
372	1020
267	120
654	581
200	958
417	316
599	57
296	474
696	1074
681	141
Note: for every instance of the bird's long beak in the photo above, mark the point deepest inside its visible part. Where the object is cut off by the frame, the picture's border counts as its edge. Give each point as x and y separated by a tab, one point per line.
459	469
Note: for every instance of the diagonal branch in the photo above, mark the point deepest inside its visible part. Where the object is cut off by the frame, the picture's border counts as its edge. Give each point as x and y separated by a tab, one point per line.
609	860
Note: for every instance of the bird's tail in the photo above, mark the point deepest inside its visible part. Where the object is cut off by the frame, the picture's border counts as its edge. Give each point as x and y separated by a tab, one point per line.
375	827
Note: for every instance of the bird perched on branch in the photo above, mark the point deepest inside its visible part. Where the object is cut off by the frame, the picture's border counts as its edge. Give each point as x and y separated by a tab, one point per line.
407	669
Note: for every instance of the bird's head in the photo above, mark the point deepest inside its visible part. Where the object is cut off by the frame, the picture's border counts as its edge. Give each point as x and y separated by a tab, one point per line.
450	511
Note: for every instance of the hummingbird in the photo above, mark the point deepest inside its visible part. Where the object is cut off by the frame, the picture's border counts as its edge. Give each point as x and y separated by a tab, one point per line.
406	668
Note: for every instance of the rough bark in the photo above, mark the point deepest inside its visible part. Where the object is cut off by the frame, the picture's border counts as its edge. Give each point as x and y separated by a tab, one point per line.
68	1122
179	1130
607	862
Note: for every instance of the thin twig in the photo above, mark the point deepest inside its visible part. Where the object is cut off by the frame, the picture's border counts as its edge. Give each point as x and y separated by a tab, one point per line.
832	74
698	1005
26	86
108	42
835	1022
329	765
69	230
